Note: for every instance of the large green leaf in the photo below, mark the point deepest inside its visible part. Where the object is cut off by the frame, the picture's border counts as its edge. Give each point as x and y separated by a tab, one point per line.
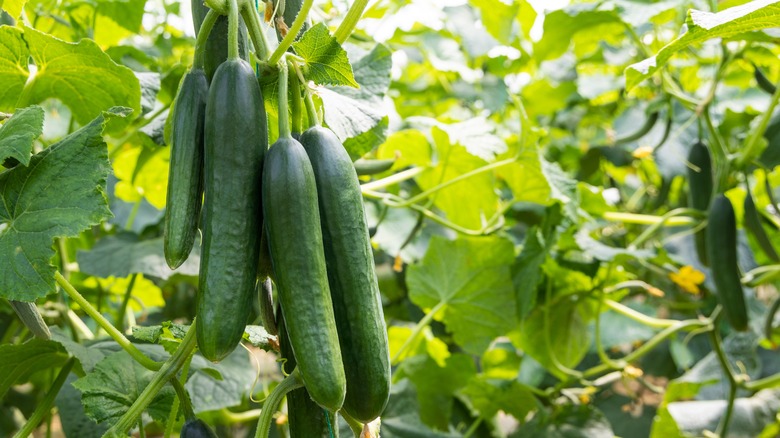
489	396
470	280
80	74
702	26
20	361
19	132
13	66
326	62
60	194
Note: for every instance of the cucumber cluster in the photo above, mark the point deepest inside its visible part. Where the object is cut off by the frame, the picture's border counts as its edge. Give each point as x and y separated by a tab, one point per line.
292	213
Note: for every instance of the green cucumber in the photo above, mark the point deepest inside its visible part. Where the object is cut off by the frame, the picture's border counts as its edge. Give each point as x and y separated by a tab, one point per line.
351	276
722	252
185	178
763	82
292	222
306	419
700	185
217	43
235	139
196	428
753	224
372	167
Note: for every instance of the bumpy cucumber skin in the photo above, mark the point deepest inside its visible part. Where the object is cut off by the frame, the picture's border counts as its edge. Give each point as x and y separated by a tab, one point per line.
196	428
185	179
351	276
306	419
235	138
722	252
700	186
217	42
292	222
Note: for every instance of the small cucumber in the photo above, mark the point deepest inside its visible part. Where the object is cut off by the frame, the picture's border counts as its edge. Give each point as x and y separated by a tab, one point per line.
292	222
753	224
217	43
351	276
700	185
196	428
235	140
372	167
185	178
722	252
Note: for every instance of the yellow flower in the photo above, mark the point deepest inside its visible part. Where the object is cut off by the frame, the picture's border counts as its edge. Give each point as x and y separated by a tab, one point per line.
642	152
688	279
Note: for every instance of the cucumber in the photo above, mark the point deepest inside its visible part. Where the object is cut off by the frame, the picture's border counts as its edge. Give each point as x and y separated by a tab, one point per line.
185	178
351	276
196	428
700	184
372	167
306	419
217	43
763	82
292	222
722	252
31	318
753	224
235	139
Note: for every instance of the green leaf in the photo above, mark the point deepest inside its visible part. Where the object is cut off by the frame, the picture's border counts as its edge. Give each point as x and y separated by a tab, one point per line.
124	254
259	337
326	61
562	25
498	17
81	75
702	26
437	385
61	194
20	361
114	384
489	396
569	421
13	7
350	112
19	132
72	416
209	394
469	279
13	66
401	418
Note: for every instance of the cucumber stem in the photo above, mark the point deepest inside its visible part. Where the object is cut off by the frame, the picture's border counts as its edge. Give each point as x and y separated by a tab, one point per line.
255	27
284	113
44	407
295	90
350	21
311	111
203	36
289	383
183	397
233	52
105	325
292	32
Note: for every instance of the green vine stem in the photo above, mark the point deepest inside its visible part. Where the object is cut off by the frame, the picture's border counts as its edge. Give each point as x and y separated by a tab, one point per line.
311	111
105	325
255	27
44	407
292	32
355	425
751	150
119	321
720	152
391	180
292	381
183	397
233	52
649	219
284	111
717	346
424	322
350	21
295	90
203	35
652	229
163	376
639	316
174	414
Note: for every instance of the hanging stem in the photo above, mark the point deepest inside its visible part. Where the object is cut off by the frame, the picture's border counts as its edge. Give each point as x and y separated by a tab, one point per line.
203	35
648	219
292	33
168	371
233	52
350	21
183	397
292	381
416	331
255	27
119	321
44	407
284	112
295	89
311	111
115	334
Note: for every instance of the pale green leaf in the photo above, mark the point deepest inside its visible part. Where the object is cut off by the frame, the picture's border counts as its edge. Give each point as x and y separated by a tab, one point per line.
326	61
13	66
19	361
489	396
498	17
562	25
702	26
13	7
19	132
81	75
60	194
470	279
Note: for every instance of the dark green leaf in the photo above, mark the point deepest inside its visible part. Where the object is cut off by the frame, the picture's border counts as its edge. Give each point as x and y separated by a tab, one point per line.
20	361
19	132
326	61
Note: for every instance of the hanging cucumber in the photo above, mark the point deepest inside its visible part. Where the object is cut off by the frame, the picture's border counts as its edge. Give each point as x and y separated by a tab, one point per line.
753	224
185	178
700	185
306	419
351	276
196	428
235	140
722	252
763	82
292	222
217	44
372	167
